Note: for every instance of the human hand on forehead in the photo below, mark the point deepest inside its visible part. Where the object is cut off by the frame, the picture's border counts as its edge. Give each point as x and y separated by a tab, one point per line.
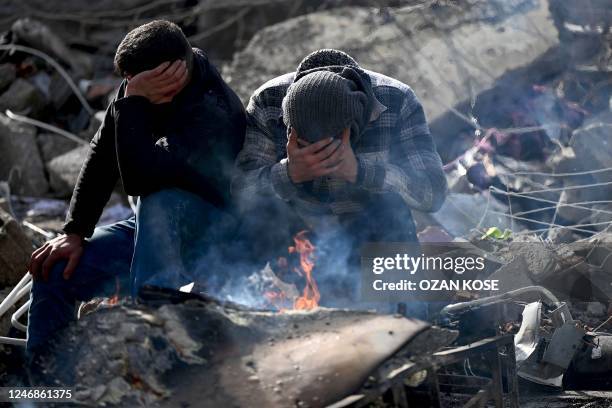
327	157
160	84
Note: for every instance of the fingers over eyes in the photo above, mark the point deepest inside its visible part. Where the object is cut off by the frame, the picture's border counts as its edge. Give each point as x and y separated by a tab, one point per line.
174	72
160	68
315	147
327	151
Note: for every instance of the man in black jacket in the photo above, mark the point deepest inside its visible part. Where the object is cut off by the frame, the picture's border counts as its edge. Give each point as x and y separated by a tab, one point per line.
171	136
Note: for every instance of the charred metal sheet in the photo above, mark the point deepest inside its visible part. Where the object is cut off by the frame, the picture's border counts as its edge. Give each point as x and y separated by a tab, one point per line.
227	356
563	345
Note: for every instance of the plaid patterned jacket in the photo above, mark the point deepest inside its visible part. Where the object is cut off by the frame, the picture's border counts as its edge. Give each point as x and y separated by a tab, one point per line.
395	154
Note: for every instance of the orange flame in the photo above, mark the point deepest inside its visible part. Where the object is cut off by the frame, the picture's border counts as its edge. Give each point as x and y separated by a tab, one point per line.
113	300
310	296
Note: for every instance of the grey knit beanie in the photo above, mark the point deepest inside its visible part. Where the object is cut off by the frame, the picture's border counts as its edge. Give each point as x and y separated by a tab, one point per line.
325	57
322	102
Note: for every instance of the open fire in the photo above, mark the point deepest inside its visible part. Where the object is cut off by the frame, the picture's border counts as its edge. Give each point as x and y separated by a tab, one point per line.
310	297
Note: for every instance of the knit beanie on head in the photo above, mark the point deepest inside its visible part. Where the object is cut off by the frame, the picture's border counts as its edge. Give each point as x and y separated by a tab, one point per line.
324	58
322	102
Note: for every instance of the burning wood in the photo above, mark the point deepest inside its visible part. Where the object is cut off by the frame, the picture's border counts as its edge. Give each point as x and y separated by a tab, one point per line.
310	296
284	293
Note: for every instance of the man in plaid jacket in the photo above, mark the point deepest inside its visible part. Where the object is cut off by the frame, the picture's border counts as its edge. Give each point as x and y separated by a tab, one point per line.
338	150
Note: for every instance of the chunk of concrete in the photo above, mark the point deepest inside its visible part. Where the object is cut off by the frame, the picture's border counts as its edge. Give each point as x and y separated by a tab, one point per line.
21	163
8	73
514	275
64	170
541	261
52	145
15	250
443	52
596	309
592	144
22	97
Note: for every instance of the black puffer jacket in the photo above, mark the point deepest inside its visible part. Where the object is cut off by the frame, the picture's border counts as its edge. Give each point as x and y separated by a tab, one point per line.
190	143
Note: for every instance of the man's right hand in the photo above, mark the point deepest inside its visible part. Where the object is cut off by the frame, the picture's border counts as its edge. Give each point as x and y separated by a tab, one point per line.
315	160
68	247
159	85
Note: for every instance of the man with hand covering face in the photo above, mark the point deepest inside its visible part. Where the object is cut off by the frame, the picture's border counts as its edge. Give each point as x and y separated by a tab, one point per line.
341	151
171	136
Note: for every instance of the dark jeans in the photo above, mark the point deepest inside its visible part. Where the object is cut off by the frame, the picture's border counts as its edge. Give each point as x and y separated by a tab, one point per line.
175	238
269	224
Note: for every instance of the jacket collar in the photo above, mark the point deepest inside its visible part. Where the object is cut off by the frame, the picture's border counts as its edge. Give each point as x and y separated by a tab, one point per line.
377	110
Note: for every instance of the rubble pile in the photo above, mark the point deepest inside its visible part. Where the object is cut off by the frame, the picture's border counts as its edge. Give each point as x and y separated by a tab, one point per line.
519	99
191	350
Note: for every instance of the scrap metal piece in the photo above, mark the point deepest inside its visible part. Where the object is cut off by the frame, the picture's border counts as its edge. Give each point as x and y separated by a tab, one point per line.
563	345
561	315
527	344
526	340
195	346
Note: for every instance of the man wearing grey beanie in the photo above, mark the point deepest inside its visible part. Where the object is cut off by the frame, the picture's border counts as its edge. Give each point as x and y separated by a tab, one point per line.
341	151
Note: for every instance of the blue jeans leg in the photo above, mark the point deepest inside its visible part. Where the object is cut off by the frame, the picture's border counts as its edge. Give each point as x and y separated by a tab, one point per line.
176	238
179	240
105	263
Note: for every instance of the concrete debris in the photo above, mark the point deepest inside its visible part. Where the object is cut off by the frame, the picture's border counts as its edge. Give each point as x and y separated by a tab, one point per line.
22	97
64	170
513	275
597	309
8	73
21	164
38	35
540	259
15	250
52	145
600	216
407	44
591	141
544	177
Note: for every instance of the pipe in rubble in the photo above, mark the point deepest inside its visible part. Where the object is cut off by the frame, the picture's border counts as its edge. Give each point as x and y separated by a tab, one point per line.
458	307
17	293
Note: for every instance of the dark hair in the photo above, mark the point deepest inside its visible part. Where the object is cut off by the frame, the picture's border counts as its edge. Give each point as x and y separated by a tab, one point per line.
324	58
148	45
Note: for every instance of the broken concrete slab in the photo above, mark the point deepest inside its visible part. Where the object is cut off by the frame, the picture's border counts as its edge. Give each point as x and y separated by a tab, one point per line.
21	164
444	53
578	196
38	35
15	250
64	170
541	260
52	145
596	309
22	97
514	275
8	73
593	140
589	153
601	216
